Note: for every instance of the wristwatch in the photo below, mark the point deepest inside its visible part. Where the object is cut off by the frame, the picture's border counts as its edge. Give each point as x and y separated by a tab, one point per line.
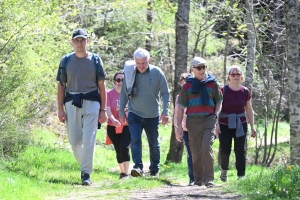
216	116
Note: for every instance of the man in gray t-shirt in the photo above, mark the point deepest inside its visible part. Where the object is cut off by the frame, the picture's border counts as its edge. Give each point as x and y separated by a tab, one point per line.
82	100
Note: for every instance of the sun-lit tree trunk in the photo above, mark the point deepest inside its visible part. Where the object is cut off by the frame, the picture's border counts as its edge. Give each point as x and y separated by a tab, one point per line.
149	20
181	56
227	41
251	44
272	147
293	64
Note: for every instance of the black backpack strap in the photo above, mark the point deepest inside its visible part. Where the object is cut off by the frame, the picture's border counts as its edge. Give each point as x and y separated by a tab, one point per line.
98	66
225	89
246	91
64	63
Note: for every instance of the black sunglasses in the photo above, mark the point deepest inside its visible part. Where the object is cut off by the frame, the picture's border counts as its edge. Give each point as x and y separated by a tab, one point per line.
119	80
200	67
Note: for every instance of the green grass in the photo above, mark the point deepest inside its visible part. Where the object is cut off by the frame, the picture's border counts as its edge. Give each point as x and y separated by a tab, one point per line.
48	170
283	130
18	186
263	183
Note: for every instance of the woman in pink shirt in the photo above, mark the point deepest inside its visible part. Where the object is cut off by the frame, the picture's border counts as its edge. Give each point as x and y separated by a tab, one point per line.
185	136
118	133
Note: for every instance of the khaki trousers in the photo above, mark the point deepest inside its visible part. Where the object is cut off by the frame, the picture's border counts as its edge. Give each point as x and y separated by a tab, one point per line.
201	138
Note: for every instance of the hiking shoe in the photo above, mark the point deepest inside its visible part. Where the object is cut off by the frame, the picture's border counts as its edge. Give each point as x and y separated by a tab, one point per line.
85	178
191	183
224	175
209	184
154	174
136	172
198	183
241	177
124	176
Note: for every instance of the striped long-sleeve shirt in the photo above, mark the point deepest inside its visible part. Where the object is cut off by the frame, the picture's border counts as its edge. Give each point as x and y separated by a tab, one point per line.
194	102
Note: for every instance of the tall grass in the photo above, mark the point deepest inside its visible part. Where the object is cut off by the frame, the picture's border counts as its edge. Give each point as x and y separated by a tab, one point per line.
263	183
48	170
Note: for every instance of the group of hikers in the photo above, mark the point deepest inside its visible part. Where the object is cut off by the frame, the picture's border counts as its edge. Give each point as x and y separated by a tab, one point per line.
203	111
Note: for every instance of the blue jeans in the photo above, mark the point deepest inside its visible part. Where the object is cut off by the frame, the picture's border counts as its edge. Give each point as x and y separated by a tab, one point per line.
189	156
150	125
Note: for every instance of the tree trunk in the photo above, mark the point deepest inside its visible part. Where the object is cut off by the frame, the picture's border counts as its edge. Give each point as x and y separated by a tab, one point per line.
251	44
149	20
227	41
292	61
181	56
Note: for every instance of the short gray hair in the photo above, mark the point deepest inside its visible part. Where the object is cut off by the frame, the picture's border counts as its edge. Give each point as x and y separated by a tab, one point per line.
198	61
141	53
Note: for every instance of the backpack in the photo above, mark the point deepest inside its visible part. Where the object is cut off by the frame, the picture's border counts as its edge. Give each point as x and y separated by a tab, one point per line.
66	59
245	91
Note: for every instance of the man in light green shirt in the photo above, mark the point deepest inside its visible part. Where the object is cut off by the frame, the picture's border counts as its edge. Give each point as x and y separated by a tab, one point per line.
143	100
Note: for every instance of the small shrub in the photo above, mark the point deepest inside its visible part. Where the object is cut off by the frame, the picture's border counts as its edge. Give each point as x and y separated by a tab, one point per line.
12	140
265	183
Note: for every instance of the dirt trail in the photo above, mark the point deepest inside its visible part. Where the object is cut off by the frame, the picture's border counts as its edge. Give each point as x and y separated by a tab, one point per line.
180	191
279	140
184	192
170	191
191	192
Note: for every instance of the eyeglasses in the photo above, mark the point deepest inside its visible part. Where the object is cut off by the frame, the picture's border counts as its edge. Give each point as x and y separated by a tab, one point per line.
79	41
235	74
200	67
119	80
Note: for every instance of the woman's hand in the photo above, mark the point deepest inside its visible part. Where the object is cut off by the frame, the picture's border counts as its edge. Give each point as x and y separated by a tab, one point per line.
254	133
116	123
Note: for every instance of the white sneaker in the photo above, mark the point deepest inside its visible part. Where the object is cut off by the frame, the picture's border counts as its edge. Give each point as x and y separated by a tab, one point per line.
209	184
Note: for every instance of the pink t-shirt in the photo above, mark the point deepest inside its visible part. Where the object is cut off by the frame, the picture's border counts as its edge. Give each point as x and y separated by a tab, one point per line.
113	101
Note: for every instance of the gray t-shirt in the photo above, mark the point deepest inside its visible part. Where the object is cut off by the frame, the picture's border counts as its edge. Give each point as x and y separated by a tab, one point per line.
81	74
